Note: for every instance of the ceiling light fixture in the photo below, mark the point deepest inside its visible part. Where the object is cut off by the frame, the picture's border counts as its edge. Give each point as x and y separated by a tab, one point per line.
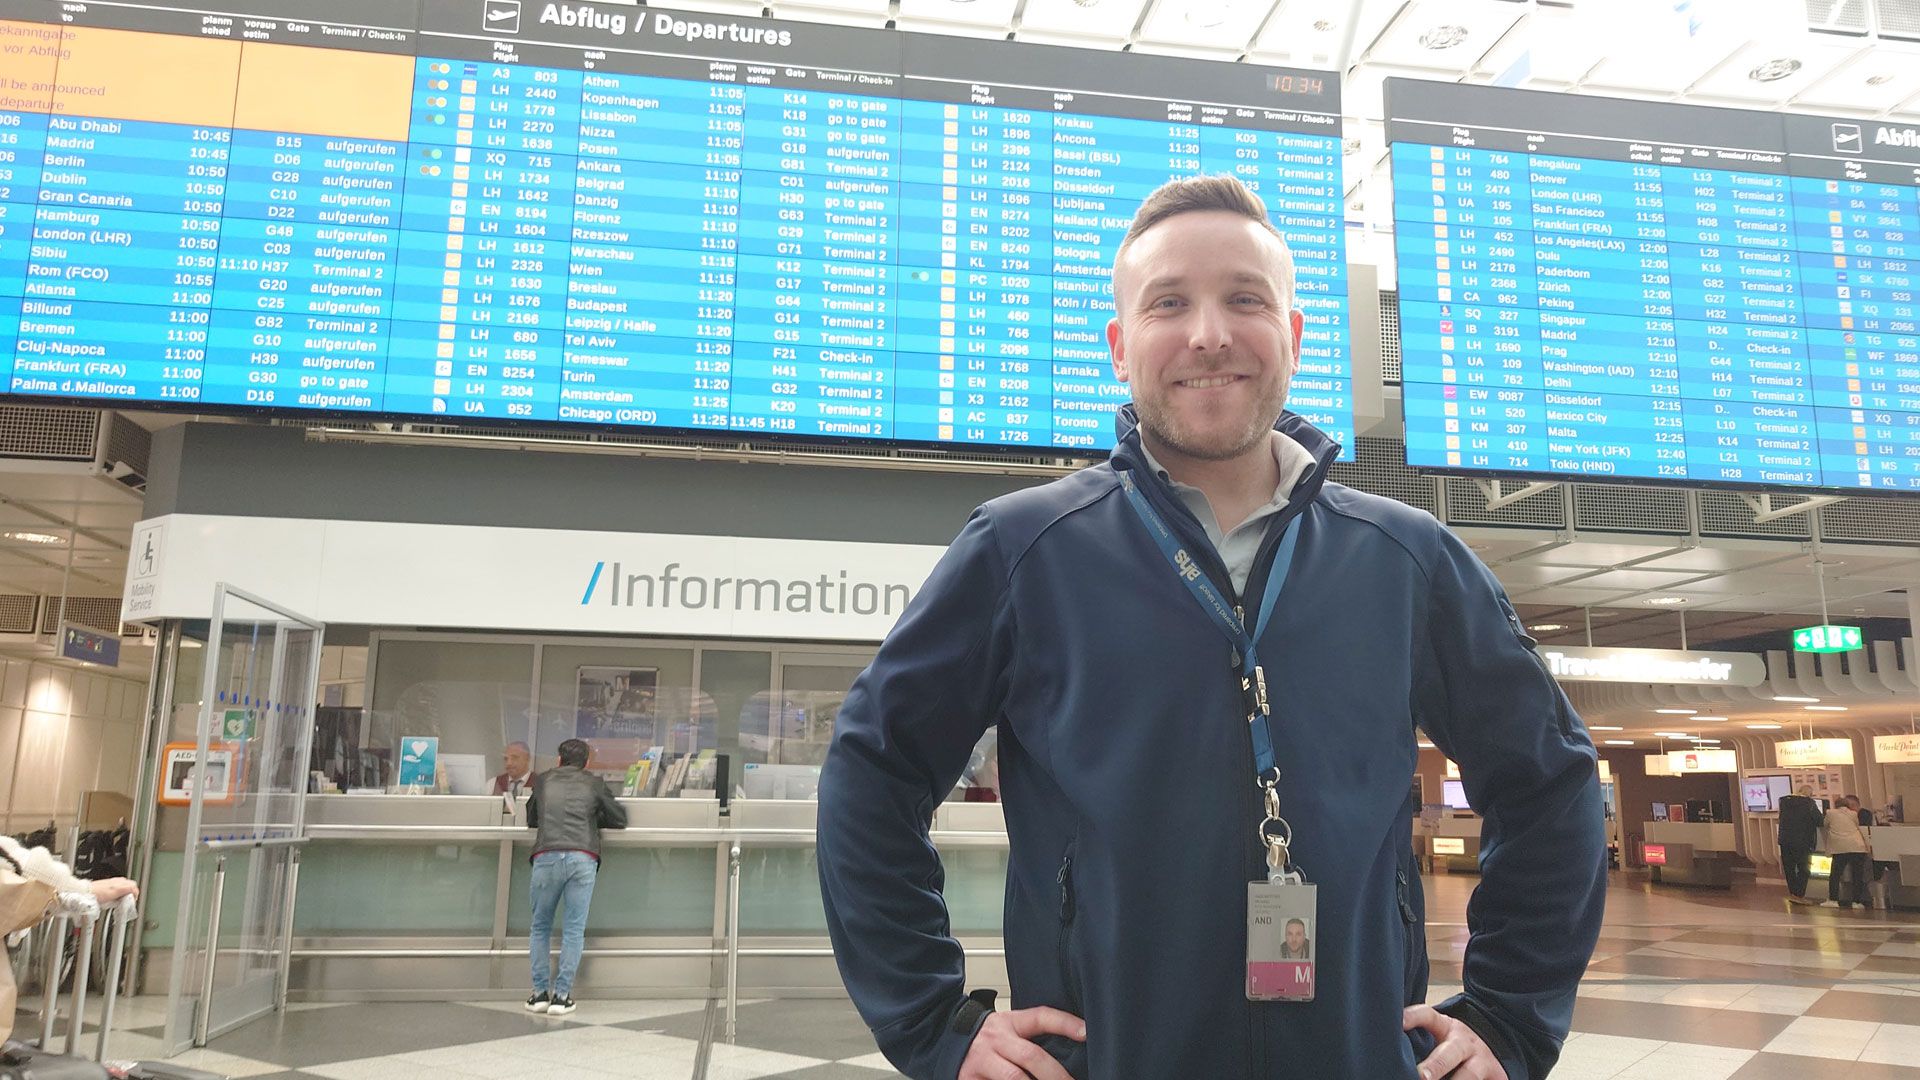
1774	70
1763	727
1676	712
1603	727
1664	601
1444	36
33	537
1790	697
1619	742
1825	708
1547	627
1713	719
1671	735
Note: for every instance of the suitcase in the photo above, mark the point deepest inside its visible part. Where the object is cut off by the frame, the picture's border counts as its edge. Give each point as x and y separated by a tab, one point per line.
22	1062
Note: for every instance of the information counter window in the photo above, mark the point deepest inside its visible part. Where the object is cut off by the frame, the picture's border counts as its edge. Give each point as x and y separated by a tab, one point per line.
444	713
638	709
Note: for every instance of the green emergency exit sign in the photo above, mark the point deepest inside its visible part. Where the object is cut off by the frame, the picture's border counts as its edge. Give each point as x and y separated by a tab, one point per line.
1828	639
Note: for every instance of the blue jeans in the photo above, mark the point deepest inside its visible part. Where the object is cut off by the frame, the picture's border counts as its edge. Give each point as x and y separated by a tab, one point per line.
558	875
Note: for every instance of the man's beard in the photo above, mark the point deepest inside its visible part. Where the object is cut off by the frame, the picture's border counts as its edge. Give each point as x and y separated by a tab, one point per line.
1159	422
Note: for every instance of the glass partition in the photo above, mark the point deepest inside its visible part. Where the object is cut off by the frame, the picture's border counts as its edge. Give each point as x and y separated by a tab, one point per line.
651	733
474	697
666	891
368	889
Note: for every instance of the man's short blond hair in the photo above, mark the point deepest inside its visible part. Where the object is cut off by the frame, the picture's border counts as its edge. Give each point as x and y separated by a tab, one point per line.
1203	194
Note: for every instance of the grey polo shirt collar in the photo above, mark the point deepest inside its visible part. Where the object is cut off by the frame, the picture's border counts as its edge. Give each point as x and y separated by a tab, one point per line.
1239	548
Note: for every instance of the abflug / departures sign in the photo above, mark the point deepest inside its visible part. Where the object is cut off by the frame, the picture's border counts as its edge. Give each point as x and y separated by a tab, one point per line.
660	25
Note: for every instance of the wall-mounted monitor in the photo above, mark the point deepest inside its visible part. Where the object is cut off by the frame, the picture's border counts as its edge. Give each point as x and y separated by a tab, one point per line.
1600	289
1659	812
493	212
1454	793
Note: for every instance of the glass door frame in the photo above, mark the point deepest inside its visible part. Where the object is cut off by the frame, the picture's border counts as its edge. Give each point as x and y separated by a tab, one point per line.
204	1020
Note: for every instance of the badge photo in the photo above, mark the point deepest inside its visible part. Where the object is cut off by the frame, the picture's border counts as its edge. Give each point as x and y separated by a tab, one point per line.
1280	941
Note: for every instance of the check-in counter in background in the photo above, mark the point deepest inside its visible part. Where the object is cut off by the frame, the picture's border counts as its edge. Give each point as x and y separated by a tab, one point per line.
426	897
1896	856
1453	845
1691	853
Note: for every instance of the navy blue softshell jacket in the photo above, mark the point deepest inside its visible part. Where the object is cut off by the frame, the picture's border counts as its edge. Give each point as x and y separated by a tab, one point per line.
1127	775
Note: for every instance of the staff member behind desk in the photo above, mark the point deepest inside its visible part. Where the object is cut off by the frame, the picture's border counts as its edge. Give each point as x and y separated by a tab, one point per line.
569	806
1799	835
1200	633
1847	843
518	774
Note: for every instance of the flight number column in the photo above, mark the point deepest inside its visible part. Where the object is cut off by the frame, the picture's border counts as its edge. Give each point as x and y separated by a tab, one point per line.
977	308
482	299
816	323
1469	324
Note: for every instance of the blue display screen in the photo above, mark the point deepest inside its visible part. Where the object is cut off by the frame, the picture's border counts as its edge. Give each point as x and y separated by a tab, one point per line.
538	212
1603	289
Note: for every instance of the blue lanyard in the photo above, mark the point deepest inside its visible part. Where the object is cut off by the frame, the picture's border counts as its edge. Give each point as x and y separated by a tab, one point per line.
1253	679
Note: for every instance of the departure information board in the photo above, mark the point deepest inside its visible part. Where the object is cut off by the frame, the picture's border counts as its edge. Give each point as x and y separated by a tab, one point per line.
1597	288
519	211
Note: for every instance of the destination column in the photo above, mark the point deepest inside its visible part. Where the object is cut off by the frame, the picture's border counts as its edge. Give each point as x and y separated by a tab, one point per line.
120	282
32	50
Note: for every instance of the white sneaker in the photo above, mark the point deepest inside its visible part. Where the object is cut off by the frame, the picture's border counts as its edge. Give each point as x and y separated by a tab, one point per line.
560	1006
539	1003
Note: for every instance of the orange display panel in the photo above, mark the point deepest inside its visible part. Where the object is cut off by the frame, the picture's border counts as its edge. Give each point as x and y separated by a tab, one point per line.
324	91
123	75
31	52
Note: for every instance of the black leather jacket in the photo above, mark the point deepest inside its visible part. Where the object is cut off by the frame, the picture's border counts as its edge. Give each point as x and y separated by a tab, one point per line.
569	806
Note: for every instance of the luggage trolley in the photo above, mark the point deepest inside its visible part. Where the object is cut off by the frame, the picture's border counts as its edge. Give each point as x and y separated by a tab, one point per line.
38	1061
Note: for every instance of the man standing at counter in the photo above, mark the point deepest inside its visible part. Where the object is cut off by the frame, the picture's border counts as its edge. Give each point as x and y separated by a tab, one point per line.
569	806
1799	835
1206	664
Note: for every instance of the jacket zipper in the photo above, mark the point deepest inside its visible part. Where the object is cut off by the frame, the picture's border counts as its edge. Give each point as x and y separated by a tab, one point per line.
1068	908
1407	927
1216	569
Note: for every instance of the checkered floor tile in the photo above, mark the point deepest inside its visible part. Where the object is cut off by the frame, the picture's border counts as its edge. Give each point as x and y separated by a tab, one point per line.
1698	986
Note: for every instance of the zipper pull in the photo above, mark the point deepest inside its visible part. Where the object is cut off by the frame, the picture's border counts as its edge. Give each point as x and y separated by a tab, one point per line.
1241	614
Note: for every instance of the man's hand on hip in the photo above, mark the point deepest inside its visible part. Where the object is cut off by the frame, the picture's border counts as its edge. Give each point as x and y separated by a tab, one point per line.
1003	1048
1459	1052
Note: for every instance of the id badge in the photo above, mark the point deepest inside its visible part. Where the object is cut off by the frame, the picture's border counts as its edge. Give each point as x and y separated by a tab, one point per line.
1281	931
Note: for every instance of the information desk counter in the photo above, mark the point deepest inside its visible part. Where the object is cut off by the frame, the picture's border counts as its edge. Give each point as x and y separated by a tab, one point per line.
1453	845
425	897
1691	853
1896	858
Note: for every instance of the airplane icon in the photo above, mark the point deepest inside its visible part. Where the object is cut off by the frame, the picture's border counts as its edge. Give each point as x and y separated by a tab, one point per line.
501	17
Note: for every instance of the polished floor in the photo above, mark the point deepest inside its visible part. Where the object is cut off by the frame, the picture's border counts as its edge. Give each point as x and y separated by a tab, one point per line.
1686	985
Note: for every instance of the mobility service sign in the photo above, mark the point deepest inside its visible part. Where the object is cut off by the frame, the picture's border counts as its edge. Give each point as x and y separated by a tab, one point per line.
404	574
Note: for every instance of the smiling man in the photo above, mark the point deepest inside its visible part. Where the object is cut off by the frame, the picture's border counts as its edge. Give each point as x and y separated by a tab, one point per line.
1206	664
